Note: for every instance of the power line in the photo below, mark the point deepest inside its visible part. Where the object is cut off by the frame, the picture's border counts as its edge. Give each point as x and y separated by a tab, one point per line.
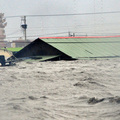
81	25
74	14
82	34
40	35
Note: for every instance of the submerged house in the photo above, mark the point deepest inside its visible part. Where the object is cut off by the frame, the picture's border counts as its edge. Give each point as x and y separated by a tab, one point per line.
68	48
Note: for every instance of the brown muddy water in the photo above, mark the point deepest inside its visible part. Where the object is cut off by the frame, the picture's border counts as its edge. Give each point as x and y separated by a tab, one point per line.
61	90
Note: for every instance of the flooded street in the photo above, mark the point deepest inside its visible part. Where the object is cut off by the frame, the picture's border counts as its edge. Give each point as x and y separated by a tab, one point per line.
61	90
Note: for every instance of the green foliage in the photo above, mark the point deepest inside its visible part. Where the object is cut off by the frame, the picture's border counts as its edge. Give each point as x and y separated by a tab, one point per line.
13	49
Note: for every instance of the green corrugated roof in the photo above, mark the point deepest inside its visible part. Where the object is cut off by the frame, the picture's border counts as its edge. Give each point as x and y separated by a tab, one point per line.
87	47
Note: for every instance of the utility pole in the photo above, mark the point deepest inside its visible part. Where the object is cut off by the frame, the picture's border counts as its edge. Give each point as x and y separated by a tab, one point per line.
24	26
69	34
73	34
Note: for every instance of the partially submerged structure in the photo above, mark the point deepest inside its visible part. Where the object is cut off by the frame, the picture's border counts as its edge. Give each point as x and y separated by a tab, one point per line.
5	53
68	48
4	57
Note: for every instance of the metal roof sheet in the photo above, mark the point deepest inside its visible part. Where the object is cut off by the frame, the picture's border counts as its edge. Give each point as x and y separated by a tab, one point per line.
87	47
40	58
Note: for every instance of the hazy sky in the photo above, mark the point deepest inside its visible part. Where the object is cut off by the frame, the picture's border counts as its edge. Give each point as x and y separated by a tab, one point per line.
43	26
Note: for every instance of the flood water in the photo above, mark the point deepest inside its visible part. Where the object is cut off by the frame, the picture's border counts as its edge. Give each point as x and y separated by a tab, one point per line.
61	90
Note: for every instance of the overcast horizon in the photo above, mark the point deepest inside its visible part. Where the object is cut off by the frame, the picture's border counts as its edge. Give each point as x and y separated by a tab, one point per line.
60	25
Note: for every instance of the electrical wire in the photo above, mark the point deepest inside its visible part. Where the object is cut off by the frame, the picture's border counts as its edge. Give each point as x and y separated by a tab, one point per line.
81	34
39	35
14	32
74	14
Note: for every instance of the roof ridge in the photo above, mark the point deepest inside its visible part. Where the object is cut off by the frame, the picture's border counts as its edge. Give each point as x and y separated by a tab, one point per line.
80	37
